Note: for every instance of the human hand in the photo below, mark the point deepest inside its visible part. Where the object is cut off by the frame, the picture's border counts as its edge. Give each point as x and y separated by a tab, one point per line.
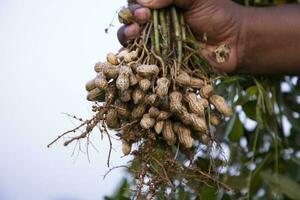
219	20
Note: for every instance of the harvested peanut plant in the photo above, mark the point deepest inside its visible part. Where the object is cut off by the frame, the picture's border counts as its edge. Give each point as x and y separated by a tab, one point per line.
158	95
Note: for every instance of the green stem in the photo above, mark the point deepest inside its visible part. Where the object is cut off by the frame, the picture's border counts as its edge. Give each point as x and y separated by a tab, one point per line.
165	40
178	35
182	25
156	32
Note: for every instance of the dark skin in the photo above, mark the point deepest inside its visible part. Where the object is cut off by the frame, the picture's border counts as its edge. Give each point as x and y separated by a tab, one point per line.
262	40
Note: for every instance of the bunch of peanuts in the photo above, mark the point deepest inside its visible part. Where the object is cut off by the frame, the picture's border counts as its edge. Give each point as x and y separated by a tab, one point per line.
140	99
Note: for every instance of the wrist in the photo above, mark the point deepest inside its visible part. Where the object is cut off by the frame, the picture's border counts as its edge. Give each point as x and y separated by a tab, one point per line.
243	40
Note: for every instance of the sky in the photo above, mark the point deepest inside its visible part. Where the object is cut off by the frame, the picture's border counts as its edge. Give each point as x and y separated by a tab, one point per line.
47	52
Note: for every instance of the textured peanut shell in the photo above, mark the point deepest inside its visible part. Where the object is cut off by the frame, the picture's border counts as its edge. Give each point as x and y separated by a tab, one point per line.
147	71
150	99
111	71
147	122
90	85
144	84
137	95
204	138
158	127
154	112
194	104
132	79
138	111
112	120
96	95
100	81
175	102
207	91
186	80
126	148
215	119
184	135
168	133
163	115
221	105
162	87
125	96
122	82
99	67
198	123
112	59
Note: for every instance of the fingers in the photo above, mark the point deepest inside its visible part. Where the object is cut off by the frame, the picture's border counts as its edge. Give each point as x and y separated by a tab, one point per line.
156	4
127	33
132	31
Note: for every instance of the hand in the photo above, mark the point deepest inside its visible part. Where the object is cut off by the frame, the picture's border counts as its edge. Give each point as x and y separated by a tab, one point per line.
220	20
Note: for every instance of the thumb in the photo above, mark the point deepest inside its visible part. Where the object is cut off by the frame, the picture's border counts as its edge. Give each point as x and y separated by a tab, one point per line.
156	4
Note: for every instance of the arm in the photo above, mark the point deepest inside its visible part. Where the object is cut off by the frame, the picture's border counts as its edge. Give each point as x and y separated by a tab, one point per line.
270	40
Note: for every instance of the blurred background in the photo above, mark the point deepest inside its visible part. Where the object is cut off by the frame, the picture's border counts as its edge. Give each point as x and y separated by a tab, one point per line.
48	49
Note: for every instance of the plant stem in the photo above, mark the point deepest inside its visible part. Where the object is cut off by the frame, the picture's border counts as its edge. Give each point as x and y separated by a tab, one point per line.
177	36
156	32
165	36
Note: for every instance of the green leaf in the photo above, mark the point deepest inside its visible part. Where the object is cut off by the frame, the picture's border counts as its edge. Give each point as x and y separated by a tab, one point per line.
208	193
235	129
250	109
252	91
281	184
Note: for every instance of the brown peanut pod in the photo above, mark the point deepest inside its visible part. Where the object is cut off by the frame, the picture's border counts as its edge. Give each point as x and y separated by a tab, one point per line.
198	123
204	103
183	134
111	119
126	16
96	95
90	85
185	80
137	95
144	84
147	71
111	71
153	112
175	102
150	99
206	91
122	109
194	104
100	81
126	148
122	82
221	105
99	67
163	115
204	138
112	59
168	133
131	56
110	93
125	96
186	118
158	127
138	111
162	87
133	79
122	54
147	122
215	120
